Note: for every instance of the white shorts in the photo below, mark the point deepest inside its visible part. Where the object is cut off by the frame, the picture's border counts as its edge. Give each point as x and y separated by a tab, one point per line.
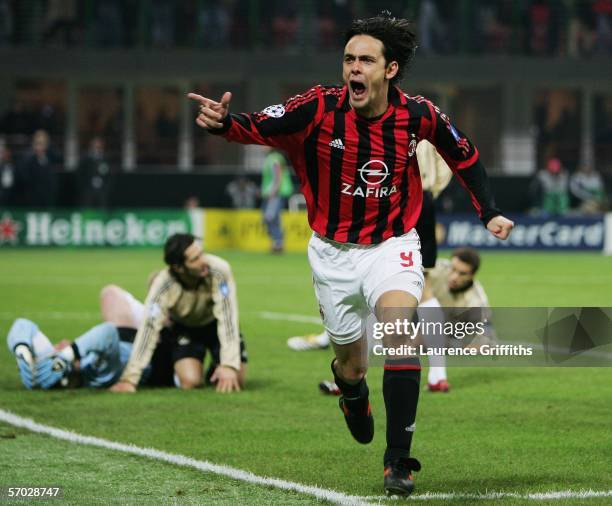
349	278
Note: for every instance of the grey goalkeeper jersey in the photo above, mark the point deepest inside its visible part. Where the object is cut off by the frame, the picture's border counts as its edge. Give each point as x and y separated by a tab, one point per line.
455	304
169	301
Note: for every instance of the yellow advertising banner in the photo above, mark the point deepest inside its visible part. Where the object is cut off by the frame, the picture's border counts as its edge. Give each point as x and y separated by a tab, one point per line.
244	229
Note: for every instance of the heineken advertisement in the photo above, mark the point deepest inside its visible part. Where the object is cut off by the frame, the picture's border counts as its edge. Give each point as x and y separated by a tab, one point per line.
117	228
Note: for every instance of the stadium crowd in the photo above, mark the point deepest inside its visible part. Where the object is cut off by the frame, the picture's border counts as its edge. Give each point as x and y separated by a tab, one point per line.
574	28
29	178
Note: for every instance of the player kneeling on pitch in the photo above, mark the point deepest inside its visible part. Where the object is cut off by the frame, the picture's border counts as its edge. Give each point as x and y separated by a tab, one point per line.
191	307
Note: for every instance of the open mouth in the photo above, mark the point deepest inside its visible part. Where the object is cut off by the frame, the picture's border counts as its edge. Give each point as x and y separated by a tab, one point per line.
358	88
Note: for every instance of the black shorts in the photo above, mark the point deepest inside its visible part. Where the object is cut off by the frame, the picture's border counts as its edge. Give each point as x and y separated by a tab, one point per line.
426	228
178	342
127	334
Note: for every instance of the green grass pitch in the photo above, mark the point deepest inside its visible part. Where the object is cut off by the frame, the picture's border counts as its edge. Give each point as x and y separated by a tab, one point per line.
517	430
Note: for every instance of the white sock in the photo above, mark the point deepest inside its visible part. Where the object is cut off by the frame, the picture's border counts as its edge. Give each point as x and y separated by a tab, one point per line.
435	374
323	338
430	311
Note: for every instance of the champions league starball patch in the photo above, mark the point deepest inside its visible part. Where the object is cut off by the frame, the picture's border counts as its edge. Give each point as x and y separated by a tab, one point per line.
224	289
154	310
274	111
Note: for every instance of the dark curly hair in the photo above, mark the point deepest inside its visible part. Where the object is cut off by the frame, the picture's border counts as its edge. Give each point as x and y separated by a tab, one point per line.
396	35
174	249
469	256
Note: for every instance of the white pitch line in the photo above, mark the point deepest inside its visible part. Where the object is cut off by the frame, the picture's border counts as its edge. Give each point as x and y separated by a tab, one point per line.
289	317
52	315
318	492
182	460
490	496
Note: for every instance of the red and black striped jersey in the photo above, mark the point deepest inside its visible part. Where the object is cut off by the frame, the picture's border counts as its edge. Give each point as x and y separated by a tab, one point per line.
360	177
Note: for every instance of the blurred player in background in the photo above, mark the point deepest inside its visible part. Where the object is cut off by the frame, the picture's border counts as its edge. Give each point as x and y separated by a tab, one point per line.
353	148
191	307
276	188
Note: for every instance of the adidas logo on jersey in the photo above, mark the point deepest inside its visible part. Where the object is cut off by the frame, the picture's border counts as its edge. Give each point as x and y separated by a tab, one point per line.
337	143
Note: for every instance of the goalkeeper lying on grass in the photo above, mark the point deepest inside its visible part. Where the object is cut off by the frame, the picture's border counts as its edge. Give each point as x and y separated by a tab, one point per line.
94	359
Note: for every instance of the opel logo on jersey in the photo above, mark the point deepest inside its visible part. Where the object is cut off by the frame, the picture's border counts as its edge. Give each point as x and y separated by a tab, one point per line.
374	172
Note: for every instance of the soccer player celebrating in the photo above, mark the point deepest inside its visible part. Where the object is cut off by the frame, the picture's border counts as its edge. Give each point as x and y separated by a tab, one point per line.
353	149
435	176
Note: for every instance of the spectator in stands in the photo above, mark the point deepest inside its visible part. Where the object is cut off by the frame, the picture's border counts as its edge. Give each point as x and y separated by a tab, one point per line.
586	186
214	22
492	33
243	193
60	22
551	186
191	202
431	27
332	18
94	176
542	28
285	24
162	23
7	175
108	23
36	179
565	137
239	25
6	23
603	11
581	30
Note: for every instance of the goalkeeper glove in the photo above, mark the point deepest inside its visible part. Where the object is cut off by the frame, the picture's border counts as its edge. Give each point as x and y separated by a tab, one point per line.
51	370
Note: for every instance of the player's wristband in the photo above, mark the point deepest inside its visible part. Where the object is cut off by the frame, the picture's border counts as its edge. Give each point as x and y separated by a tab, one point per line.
488	216
227	123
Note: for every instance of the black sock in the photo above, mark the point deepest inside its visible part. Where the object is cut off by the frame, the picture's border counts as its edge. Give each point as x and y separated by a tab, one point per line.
401	384
355	395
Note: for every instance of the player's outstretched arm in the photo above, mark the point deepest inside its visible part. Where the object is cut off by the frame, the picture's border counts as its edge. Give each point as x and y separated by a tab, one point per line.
210	113
500	226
